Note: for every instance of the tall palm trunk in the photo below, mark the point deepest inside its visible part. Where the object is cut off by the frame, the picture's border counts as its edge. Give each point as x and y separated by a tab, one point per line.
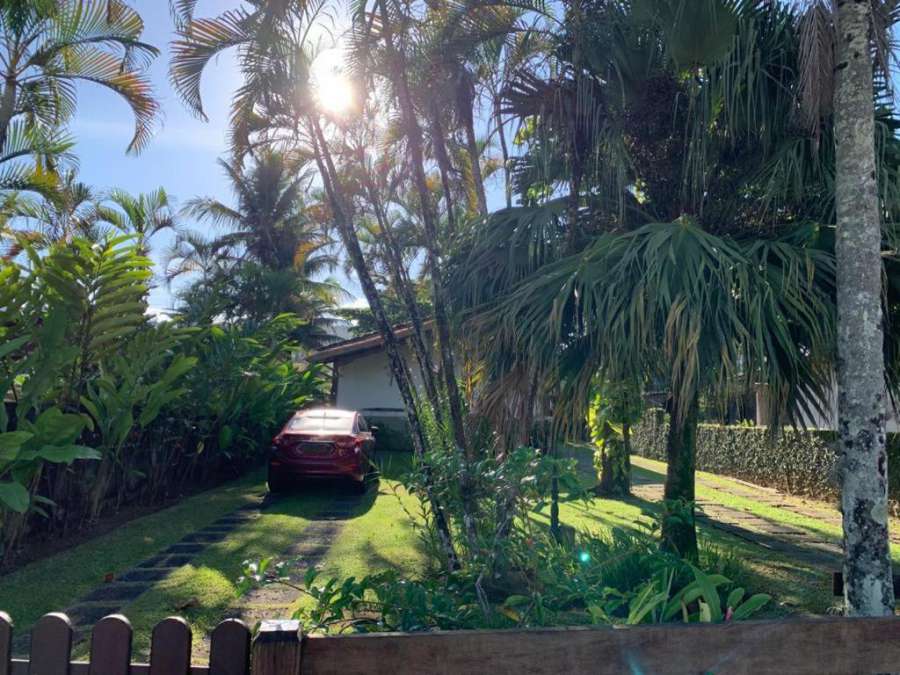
7	108
465	102
679	534
429	219
443	160
504	150
868	586
398	368
402	285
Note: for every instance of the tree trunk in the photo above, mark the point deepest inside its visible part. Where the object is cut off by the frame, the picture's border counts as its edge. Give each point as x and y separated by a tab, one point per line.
443	160
465	103
398	368
615	465
504	150
399	278
7	109
414	139
679	533
868	586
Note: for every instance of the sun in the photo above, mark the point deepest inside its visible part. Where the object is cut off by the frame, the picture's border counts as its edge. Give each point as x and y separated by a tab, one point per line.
334	91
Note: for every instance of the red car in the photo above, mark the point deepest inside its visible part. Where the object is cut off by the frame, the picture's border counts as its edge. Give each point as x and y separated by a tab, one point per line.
322	443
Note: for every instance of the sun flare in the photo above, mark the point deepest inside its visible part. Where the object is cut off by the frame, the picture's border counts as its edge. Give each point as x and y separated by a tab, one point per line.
334	91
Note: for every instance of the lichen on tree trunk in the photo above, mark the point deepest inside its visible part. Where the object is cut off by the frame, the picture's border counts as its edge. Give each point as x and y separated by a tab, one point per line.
868	586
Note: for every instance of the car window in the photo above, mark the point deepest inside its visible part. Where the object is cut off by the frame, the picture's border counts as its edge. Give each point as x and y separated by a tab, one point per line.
320	424
363	426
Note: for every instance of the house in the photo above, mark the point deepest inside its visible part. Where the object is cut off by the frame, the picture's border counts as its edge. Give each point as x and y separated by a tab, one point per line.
827	419
362	380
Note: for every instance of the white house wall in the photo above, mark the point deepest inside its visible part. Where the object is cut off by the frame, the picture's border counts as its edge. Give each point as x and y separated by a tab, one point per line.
820	421
366	384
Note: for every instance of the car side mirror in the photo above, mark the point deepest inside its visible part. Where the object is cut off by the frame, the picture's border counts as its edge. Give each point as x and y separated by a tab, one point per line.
373	429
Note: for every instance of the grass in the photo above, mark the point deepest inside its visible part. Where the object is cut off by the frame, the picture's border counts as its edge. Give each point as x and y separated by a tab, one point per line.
795	586
205	589
53	583
826	525
379	535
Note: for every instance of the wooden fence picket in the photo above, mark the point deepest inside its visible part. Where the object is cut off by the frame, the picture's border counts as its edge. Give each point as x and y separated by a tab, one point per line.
277	648
6	634
111	646
229	652
51	645
170	647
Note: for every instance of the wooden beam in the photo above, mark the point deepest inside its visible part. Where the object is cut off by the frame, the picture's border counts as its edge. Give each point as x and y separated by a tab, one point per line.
813	647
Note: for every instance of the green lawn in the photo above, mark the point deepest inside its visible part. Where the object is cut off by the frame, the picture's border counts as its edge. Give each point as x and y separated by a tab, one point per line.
796	587
380	535
56	582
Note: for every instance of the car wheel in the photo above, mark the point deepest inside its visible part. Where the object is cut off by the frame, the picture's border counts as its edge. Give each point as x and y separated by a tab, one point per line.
277	482
360	486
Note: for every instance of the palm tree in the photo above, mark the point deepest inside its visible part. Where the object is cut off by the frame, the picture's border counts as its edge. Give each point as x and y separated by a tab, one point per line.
144	215
69	210
48	46
276	246
668	191
276	104
269	223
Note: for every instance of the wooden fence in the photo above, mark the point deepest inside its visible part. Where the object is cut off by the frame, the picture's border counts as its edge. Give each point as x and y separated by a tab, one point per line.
804	646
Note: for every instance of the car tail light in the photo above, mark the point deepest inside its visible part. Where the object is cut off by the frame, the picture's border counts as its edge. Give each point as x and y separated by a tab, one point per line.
348	446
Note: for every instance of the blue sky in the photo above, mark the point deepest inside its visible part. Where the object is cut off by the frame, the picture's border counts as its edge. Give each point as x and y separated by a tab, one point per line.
182	156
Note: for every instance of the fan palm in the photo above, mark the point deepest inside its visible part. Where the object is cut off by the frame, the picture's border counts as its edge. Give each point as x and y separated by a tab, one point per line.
666	182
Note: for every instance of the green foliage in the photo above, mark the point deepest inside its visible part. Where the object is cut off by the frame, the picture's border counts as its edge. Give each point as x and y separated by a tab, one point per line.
91	379
51	437
613	408
617	580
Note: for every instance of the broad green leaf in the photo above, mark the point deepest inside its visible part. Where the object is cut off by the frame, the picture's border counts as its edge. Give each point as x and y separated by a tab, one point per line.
14	496
67	453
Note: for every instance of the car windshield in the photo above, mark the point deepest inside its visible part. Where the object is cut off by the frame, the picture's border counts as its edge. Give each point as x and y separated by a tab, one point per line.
322	423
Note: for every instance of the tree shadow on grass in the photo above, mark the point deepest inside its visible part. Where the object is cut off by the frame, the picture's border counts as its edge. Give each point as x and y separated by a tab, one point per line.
317	499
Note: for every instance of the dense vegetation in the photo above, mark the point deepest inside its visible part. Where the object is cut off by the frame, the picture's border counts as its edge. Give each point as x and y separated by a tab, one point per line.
668	171
106	408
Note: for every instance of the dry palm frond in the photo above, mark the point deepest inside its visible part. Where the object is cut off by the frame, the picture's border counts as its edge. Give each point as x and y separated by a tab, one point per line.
817	62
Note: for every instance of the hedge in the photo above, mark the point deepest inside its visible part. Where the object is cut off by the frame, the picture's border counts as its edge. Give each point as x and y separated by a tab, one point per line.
797	462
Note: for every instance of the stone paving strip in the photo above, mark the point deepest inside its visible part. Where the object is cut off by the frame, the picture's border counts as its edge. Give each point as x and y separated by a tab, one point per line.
123	589
769	497
797	543
276	600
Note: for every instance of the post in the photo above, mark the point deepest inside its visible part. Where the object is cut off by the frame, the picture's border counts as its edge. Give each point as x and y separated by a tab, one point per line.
277	648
